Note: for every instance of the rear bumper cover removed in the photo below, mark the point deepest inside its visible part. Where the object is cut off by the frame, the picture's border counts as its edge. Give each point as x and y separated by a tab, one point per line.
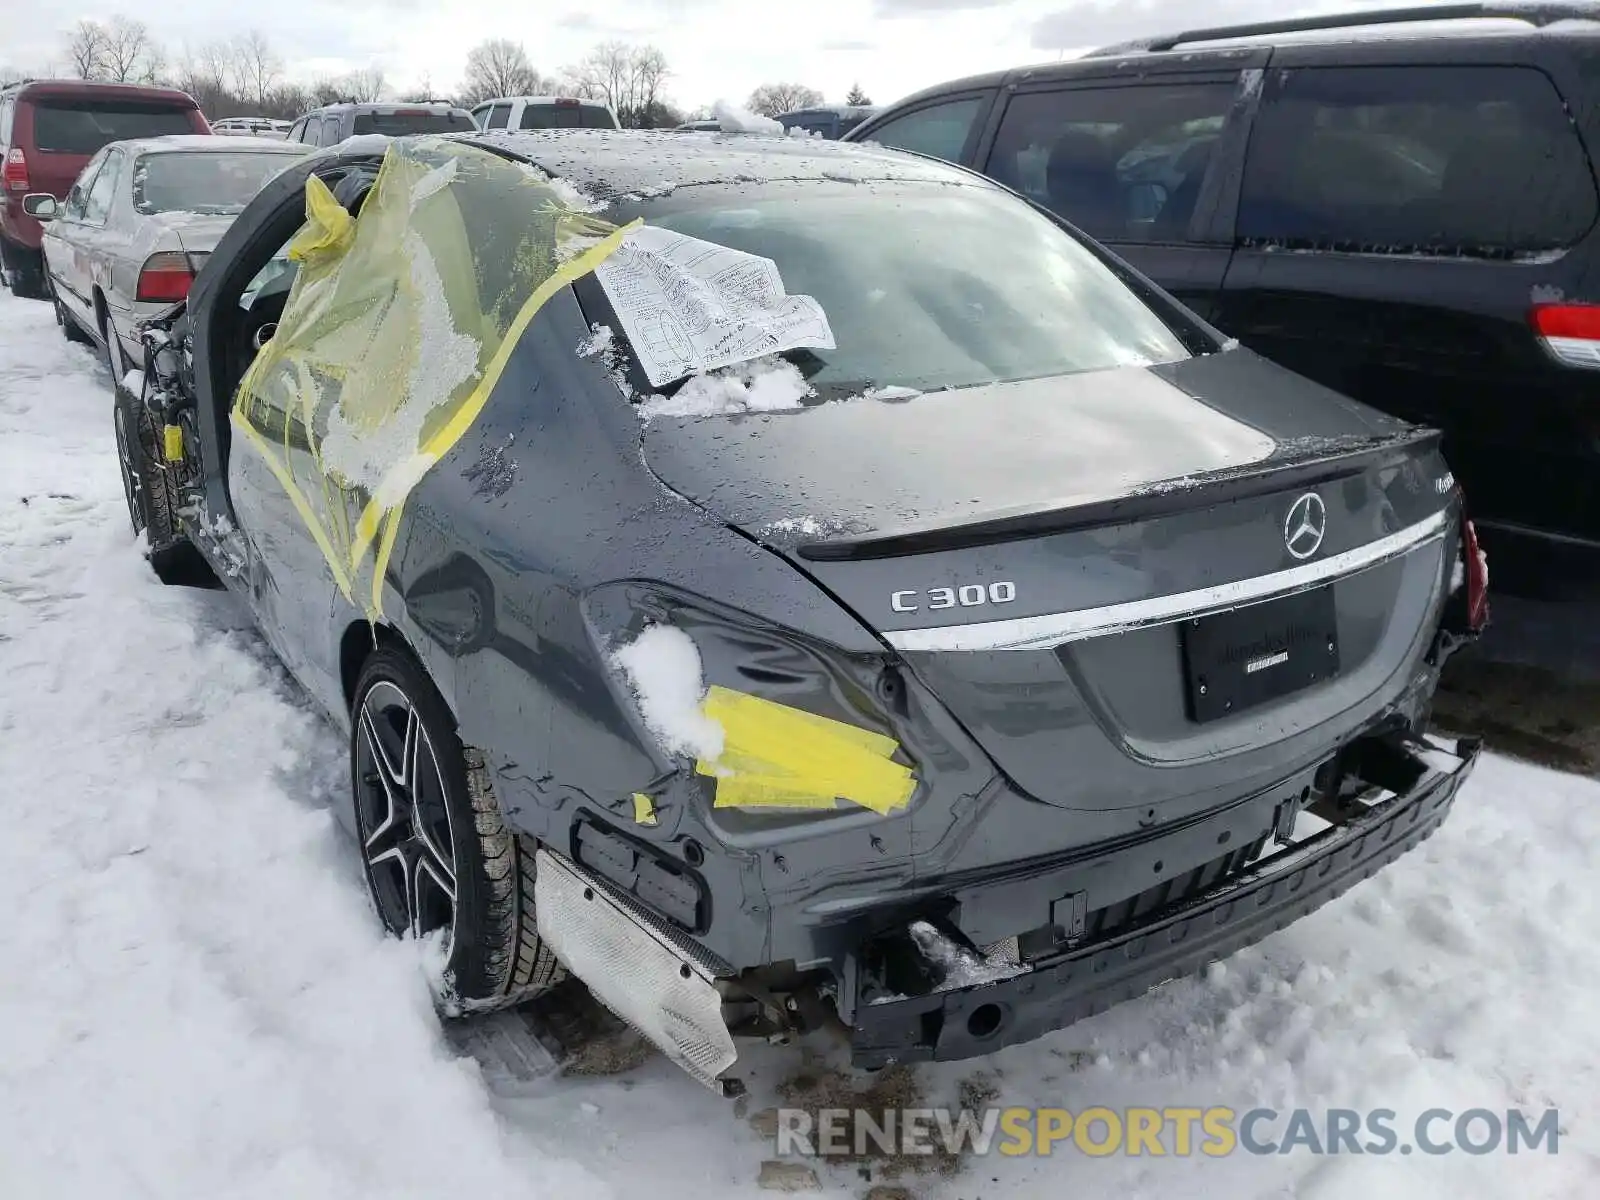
964	1022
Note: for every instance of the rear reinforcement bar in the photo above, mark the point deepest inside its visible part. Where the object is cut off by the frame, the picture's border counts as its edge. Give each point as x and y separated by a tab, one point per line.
1419	781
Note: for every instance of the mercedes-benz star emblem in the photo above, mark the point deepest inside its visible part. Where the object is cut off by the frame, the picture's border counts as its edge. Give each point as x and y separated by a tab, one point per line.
1305	525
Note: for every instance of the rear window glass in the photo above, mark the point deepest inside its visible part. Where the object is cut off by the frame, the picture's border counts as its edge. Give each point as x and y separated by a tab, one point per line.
931	286
66	127
218	184
1481	161
398	124
566	116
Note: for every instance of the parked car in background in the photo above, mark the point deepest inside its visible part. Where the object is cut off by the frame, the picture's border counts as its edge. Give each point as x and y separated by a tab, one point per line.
333	123
137	225
545	112
707	126
252	127
829	121
1050	646
1410	219
48	130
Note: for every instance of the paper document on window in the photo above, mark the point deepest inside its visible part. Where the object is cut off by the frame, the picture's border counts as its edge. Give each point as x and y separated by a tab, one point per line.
689	306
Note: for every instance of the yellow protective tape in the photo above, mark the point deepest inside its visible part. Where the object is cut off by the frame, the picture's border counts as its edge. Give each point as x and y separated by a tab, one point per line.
329	227
172	443
372	294
286	480
644	809
775	756
442	442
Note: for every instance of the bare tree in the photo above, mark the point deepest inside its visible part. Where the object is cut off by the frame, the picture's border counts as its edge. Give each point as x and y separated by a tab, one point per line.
365	86
255	67
86	48
203	73
498	67
630	79
858	97
324	90
770	99
420	94
130	55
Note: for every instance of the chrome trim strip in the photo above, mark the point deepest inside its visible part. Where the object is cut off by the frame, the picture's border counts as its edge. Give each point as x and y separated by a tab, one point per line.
1054	629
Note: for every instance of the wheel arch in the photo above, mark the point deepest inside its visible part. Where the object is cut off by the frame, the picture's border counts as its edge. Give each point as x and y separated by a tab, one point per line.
357	644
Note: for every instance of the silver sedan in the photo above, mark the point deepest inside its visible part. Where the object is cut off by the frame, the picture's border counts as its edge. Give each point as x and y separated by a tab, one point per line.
138	224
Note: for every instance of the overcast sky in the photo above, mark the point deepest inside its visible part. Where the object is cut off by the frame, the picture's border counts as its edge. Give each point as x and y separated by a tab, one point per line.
715	48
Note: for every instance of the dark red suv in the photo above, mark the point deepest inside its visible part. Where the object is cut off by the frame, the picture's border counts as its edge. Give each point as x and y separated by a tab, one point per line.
49	129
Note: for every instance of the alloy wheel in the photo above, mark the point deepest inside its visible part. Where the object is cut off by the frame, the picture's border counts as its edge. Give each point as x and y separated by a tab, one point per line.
403	816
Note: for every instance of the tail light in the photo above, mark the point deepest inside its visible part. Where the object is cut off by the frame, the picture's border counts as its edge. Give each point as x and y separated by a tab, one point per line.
1571	332
165	278
15	173
566	103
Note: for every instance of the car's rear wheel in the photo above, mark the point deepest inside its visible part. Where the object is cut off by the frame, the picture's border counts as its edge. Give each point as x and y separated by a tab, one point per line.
152	493
438	855
111	346
69	327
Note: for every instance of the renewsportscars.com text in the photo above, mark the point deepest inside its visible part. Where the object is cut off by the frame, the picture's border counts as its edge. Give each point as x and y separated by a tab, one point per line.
1214	1132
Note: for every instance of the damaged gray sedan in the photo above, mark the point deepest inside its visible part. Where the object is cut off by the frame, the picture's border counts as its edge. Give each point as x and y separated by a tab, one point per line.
775	581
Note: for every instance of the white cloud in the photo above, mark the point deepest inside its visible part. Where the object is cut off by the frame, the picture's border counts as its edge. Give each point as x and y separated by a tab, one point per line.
714	48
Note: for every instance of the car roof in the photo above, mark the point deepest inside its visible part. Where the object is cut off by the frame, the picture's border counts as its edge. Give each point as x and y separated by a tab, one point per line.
190	142
1425	22
563	100
610	163
838	110
386	106
1495	21
79	88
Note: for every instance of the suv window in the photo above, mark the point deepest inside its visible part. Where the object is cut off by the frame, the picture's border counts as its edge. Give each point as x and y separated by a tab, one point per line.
103	191
8	106
939	129
1121	163
85	126
1479	160
499	116
298	132
414	120
566	116
332	130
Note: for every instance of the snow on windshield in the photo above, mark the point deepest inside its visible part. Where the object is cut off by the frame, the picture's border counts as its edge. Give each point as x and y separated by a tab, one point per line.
768	384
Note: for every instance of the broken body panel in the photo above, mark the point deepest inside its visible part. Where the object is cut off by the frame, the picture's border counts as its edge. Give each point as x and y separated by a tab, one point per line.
1031	784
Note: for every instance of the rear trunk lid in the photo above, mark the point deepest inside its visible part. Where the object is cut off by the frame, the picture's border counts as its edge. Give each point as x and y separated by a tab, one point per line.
1213	564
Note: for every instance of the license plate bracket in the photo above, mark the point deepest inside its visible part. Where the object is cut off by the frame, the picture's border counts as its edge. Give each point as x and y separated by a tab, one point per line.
1238	660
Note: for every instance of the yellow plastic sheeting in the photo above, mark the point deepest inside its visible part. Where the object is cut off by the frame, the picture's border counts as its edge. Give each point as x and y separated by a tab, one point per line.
396	331
644	809
328	230
775	756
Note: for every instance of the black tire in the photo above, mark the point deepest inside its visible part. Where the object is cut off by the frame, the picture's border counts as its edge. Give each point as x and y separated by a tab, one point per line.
152	493
111	352
23	271
70	328
495	957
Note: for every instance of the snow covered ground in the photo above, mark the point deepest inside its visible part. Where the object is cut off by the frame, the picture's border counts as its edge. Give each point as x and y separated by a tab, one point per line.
195	1000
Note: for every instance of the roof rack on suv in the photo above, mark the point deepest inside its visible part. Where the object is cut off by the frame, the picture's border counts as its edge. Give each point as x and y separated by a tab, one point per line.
1538	15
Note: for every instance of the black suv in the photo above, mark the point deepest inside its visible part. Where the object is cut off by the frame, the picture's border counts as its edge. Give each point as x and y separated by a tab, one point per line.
333	123
1408	219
